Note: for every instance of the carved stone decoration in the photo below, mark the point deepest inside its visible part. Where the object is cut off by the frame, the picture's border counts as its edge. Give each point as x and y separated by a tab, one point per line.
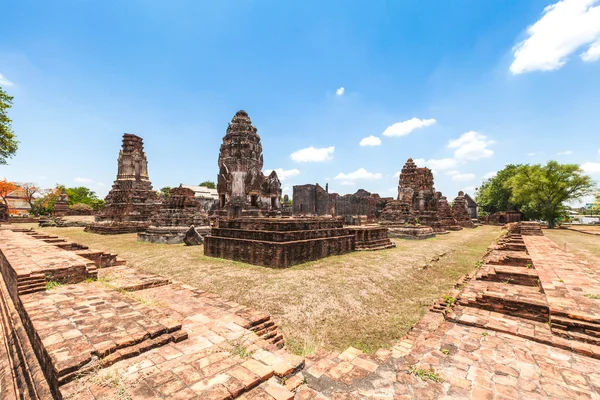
61	207
172	221
131	201
242	187
460	211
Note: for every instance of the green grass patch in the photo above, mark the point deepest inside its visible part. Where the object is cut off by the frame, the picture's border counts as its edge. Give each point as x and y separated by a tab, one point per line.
425	374
50	284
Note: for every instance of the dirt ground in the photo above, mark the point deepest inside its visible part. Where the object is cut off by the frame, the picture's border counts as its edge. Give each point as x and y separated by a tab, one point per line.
363	299
584	245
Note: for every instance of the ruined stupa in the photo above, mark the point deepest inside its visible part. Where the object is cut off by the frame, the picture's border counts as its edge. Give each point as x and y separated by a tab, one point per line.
415	188
243	189
61	207
131	201
179	211
445	214
460	211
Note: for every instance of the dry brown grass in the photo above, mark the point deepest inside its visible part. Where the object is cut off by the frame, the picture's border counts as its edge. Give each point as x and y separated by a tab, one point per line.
364	299
584	245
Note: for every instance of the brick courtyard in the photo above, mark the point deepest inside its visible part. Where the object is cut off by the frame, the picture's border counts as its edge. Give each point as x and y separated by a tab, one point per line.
524	325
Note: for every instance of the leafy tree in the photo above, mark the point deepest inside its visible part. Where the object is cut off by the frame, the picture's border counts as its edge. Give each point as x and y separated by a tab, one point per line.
495	195
8	142
31	190
208	184
545	188
5	188
83	195
165	191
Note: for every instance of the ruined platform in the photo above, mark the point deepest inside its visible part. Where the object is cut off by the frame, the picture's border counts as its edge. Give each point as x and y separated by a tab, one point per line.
278	243
371	237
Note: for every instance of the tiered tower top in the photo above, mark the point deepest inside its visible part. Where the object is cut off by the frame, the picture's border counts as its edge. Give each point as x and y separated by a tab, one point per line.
132	161
241	149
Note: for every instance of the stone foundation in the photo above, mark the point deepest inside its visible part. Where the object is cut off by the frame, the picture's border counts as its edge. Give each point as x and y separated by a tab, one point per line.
411	232
169	234
278	243
371	237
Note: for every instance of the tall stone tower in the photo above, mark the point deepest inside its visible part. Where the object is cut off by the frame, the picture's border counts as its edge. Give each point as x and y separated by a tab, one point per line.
131	201
242	187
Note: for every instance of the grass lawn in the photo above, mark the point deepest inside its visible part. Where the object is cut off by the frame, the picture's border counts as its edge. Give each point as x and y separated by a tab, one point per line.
585	246
363	299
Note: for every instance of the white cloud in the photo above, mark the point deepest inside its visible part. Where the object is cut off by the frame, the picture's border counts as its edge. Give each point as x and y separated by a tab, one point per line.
370	141
471	146
340	91
347	183
100	184
469	190
397	174
564	27
283	174
312	154
4	81
458	177
360	173
83	180
489	175
406	127
592	54
591	167
535	153
444	163
565	153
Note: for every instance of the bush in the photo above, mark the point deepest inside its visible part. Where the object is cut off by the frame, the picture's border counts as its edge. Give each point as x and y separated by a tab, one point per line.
81	207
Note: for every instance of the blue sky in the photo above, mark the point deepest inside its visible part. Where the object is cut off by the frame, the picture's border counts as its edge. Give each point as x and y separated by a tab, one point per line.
463	87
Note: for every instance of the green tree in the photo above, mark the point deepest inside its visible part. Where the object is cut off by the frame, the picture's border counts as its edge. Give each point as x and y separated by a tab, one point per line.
166	191
8	142
545	188
83	195
495	194
208	184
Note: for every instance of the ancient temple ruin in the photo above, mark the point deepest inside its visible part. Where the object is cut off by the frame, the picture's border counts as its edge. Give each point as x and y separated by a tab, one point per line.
315	200
131	201
179	211
242	187
445	214
61	207
460	211
416	189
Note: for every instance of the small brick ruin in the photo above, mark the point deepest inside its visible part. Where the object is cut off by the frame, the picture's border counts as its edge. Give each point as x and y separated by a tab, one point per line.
416	189
399	219
445	214
61	207
131	201
371	237
242	187
314	200
460	211
276	242
173	219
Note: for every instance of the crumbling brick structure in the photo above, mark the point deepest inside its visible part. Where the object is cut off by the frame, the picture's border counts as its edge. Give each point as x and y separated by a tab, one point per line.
61	207
131	201
445	214
314	200
416	189
276	242
171	222
242	187
460	211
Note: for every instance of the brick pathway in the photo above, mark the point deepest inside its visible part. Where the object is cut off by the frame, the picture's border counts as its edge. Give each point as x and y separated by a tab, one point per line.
519	327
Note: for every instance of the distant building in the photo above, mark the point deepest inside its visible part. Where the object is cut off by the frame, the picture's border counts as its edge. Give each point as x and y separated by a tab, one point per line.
208	197
472	206
17	203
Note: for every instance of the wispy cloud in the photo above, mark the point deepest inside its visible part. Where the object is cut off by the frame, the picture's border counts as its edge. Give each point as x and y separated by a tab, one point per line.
283	174
471	146
405	127
83	180
564	153
312	154
563	28
591	167
489	175
340	91
360	173
370	141
458	177
5	82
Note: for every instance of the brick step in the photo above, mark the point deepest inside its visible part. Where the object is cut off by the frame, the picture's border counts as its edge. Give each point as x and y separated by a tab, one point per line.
71	246
511	258
55	241
123	353
376	245
270	390
516	300
509	274
564	332
31	285
33	277
533	330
